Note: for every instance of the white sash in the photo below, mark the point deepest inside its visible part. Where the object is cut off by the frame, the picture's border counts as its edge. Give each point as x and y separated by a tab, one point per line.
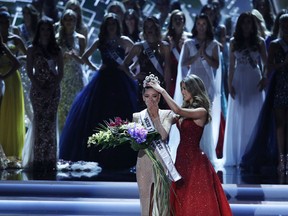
160	147
203	61
176	53
152	58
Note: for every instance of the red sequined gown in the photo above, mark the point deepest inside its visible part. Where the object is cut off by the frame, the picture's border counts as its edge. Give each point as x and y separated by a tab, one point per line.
199	192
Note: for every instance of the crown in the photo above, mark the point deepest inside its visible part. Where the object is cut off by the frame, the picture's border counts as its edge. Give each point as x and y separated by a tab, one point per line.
150	78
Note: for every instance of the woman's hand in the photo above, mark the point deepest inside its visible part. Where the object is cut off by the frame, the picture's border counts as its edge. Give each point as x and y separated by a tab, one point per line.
156	86
153	108
262	84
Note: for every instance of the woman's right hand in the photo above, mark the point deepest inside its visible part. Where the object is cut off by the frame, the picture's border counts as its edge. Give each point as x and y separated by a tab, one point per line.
153	108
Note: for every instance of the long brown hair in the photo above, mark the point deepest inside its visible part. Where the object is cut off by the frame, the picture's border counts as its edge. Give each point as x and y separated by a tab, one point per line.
195	86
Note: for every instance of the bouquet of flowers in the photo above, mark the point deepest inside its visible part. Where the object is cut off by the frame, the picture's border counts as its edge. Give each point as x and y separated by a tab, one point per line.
120	132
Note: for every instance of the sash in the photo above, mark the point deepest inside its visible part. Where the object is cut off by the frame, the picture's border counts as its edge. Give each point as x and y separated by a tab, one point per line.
176	53
114	55
152	58
203	61
160	147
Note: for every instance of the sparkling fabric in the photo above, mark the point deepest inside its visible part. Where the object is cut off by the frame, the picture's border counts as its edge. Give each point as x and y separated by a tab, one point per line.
144	170
281	80
45	112
199	192
71	83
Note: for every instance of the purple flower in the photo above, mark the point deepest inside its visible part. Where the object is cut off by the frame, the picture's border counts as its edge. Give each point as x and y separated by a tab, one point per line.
138	133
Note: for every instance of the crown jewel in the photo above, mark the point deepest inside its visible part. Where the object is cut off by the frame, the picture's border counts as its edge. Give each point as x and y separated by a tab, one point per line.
150	78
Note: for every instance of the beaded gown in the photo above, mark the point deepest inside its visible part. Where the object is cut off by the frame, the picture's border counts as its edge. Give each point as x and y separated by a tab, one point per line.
110	93
27	38
40	150
71	84
199	192
12	130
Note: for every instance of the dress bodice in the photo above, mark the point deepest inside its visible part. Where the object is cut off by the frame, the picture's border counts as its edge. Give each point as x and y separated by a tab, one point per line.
4	60
75	46
45	72
190	134
107	52
146	66
247	57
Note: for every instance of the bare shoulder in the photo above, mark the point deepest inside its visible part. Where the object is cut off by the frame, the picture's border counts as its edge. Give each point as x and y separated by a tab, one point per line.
136	116
80	36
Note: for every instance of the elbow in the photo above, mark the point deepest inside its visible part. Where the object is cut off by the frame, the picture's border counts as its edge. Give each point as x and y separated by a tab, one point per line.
216	65
177	110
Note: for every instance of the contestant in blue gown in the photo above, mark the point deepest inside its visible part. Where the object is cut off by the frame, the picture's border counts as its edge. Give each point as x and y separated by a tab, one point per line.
111	93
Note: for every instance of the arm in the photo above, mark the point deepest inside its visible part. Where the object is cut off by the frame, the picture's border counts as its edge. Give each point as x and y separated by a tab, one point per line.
128	44
60	66
263	54
167	68
20	44
135	50
186	59
194	113
82	45
13	61
30	66
231	70
274	48
213	60
88	53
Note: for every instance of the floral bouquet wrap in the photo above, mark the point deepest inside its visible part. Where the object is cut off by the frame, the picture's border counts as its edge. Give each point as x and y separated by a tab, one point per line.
120	132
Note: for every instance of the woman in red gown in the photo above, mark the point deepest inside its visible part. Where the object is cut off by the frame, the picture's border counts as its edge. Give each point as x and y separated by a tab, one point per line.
199	192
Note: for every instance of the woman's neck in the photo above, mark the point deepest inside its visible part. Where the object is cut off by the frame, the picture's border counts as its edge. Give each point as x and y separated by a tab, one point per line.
201	37
69	32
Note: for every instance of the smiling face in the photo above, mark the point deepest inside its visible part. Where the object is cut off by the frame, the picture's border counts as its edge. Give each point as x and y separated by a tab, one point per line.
69	21
178	20
201	26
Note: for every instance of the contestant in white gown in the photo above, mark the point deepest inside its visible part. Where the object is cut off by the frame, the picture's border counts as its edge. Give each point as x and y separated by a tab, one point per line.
201	55
246	95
